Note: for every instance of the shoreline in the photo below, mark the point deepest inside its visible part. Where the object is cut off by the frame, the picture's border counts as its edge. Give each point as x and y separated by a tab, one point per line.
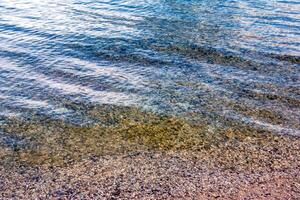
130	154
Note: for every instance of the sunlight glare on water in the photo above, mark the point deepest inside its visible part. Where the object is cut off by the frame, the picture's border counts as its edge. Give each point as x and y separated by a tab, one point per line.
218	61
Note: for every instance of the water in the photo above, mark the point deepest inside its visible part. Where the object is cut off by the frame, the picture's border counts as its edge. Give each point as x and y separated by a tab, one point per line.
224	62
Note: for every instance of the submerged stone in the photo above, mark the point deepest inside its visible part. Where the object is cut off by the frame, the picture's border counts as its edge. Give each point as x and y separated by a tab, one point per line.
126	130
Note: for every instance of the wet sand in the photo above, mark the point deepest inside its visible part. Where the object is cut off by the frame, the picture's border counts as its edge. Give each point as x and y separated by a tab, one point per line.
130	154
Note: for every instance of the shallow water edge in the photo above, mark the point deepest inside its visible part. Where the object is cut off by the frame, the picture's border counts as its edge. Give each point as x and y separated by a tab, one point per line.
118	130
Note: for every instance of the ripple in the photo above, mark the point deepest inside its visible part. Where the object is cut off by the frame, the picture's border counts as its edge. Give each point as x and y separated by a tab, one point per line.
213	61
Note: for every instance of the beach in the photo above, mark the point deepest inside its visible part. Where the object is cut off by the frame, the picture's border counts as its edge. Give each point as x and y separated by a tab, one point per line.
150	99
145	156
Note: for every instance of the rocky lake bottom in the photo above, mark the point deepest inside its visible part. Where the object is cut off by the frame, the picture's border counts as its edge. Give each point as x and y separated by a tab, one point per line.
149	99
127	153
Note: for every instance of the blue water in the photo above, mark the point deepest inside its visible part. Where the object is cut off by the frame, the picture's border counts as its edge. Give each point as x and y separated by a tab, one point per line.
222	61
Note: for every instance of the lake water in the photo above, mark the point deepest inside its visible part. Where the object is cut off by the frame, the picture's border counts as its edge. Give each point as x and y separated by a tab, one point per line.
223	62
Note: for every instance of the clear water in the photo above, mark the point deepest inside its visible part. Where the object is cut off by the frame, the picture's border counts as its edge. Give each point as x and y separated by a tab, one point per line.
220	61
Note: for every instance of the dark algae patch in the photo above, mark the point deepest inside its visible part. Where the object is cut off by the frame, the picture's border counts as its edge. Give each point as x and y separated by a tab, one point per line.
125	130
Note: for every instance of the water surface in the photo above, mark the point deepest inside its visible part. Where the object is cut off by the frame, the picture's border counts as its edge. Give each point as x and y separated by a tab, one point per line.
222	62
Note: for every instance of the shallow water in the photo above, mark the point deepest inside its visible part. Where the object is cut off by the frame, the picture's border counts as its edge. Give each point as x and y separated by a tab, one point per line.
222	62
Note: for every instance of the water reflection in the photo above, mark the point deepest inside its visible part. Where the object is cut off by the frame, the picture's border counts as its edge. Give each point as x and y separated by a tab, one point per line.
223	62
